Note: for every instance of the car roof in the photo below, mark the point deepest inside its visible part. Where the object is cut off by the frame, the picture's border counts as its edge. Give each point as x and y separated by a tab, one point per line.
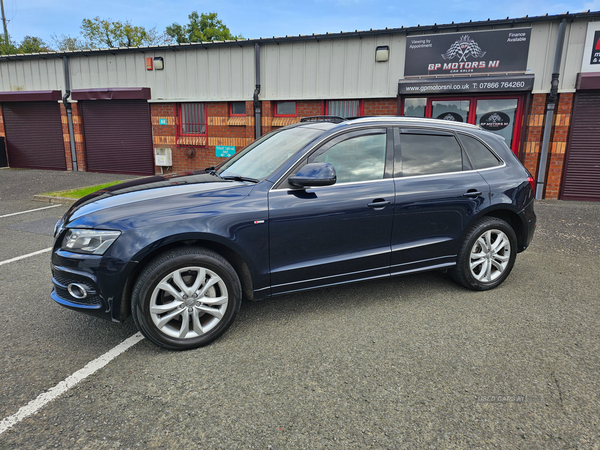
326	124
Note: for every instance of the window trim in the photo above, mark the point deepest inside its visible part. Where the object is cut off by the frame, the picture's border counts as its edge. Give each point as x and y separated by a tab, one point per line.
285	115
361	105
231	114
180	132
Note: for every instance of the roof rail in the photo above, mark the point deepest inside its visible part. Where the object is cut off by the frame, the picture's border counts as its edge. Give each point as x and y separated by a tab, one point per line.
334	119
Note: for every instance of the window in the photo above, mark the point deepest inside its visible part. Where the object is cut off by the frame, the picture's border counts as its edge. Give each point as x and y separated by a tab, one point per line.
344	108
192	119
424	154
415	107
360	158
285	108
478	154
237	109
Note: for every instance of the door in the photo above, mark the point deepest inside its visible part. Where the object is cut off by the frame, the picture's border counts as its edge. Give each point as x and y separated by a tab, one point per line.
437	193
34	137
334	234
118	136
581	179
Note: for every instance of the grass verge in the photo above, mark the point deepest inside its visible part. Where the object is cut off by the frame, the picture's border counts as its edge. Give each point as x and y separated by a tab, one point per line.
78	193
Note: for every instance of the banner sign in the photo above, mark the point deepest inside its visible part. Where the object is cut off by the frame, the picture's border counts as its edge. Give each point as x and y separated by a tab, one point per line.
595	59
460	85
591	50
469	52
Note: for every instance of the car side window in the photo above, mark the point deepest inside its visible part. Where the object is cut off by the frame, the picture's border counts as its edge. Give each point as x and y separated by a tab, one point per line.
361	158
425	154
479	155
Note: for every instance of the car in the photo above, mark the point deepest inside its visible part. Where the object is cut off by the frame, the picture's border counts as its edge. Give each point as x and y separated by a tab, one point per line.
322	202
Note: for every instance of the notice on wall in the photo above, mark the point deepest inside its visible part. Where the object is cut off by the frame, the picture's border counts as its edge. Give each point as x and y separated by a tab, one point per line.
224	151
499	83
467	53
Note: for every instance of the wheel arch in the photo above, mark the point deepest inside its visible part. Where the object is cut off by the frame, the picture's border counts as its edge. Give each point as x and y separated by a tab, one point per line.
234	258
512	218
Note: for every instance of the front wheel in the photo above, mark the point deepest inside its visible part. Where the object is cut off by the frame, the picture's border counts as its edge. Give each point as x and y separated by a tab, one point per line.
486	256
186	298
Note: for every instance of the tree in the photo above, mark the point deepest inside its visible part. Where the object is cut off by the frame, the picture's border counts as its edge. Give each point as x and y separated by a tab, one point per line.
64	43
32	44
202	28
29	44
106	33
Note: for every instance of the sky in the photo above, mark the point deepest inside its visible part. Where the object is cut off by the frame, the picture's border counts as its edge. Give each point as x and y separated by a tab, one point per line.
265	18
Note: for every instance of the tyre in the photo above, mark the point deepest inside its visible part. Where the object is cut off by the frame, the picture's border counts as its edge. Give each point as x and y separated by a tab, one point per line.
186	298
486	256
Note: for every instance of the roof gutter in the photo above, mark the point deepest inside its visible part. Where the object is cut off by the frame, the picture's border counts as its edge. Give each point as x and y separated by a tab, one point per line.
539	190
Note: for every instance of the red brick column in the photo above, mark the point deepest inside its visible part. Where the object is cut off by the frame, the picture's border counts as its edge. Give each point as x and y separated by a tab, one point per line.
558	144
78	134
381	107
534	133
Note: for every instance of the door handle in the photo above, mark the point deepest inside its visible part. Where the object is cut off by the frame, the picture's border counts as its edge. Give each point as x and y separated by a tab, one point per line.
379	203
472	193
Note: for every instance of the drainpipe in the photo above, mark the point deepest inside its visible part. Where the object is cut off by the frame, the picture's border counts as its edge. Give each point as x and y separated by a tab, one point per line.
257	106
69	112
539	190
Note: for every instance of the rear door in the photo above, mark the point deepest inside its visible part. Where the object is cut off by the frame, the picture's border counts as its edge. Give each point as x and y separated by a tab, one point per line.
333	234
437	192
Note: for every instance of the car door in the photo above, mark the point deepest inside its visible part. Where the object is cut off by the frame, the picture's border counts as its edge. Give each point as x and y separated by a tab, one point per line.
437	194
334	234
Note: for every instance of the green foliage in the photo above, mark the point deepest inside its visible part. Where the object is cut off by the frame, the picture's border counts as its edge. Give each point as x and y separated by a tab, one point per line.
29	44
64	43
106	33
201	28
79	193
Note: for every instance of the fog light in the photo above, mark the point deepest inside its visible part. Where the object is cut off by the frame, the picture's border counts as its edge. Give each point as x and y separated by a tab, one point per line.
78	291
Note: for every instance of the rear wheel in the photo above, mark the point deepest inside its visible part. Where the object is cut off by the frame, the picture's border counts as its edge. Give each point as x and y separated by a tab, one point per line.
186	298
486	256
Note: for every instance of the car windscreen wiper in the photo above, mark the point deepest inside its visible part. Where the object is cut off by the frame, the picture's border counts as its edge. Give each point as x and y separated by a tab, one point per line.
240	178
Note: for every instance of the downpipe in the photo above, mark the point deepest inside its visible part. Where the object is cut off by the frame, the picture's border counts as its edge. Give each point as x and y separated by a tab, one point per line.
542	167
257	105
69	112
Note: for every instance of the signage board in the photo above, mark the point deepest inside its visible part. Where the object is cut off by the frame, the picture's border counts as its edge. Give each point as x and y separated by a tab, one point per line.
591	51
505	83
224	151
163	121
467	53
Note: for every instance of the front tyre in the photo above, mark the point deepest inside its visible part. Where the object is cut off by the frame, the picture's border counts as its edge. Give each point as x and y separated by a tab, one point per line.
486	256
186	298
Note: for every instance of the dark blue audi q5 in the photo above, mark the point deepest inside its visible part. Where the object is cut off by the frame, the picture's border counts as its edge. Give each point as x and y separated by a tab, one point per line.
318	203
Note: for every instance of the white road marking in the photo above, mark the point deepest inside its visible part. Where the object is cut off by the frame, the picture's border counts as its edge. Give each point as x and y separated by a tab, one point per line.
28	211
25	256
46	397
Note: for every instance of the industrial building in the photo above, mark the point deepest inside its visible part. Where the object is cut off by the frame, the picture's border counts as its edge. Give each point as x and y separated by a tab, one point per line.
147	110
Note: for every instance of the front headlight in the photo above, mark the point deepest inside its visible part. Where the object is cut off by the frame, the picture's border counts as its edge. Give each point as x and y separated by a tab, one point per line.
91	242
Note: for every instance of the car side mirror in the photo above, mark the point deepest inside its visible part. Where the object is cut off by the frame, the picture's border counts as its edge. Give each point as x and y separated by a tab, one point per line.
314	174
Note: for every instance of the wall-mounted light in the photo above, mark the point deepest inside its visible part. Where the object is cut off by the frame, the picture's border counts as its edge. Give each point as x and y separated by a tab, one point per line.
382	53
159	63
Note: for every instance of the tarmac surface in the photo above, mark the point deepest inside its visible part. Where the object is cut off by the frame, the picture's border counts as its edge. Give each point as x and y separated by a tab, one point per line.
408	362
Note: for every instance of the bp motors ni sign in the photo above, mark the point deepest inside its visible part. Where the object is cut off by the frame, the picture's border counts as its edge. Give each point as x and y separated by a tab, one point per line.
468	53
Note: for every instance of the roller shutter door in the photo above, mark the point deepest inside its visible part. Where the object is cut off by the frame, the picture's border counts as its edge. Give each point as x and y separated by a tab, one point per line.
118	136
582	170
34	138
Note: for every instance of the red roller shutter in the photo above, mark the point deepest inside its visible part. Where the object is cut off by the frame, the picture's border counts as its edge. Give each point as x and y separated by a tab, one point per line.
118	136
34	137
581	179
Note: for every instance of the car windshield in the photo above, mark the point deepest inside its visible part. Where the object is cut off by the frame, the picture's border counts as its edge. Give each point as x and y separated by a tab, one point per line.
263	156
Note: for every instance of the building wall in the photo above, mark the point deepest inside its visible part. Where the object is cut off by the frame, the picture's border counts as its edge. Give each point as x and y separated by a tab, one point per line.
78	134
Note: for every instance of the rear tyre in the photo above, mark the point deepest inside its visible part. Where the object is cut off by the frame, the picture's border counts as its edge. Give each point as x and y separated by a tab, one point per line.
186	298
486	256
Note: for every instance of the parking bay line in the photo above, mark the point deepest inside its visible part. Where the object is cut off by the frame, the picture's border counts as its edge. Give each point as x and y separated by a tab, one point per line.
46	397
28	211
25	256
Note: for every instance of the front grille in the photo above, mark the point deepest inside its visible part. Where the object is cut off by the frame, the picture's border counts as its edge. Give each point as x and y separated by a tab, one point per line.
61	282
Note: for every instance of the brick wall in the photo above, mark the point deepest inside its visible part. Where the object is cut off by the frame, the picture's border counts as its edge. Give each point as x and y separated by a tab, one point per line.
381	107
78	134
558	140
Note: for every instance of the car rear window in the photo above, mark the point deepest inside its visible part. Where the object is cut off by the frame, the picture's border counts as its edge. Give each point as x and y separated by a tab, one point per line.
480	156
424	154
